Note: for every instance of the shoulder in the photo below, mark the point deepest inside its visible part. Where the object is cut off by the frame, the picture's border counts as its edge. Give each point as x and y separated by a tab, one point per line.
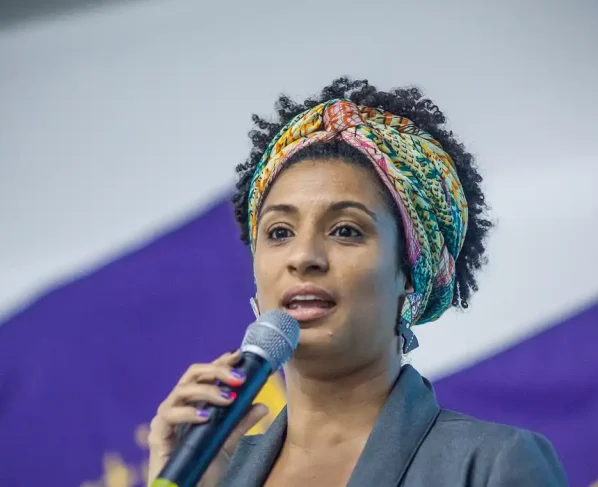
473	430
510	455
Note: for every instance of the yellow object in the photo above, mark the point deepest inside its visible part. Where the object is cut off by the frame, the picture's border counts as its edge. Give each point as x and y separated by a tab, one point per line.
163	483
273	396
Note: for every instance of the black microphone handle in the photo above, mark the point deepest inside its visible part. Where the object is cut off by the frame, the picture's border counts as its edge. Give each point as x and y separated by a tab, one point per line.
202	442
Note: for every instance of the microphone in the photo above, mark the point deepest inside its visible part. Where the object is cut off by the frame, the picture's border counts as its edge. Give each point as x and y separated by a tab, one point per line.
269	342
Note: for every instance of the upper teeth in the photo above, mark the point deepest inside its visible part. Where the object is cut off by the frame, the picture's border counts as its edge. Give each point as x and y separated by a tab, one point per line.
306	297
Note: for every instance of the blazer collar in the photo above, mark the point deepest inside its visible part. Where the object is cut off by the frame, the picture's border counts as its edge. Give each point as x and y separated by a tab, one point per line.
258	454
405	420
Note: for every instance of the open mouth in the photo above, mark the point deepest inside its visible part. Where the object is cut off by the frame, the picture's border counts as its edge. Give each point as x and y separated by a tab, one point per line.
306	307
305	302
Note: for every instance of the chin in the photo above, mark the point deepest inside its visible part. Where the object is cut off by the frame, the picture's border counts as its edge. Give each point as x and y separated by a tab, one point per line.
315	341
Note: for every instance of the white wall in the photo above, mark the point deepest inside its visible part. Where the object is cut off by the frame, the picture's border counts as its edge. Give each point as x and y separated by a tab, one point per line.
118	122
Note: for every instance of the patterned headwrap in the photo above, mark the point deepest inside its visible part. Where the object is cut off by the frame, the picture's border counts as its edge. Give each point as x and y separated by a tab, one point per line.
419	174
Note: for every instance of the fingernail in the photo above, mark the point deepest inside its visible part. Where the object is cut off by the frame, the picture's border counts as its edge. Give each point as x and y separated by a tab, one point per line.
228	394
203	413
237	374
263	408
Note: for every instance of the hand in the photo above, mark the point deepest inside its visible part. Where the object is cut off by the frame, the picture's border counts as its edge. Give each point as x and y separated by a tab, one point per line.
198	384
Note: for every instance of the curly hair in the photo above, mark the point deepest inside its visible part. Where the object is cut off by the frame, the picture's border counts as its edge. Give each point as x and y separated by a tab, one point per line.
407	102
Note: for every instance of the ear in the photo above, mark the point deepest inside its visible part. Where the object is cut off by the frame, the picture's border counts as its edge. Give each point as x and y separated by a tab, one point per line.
255	306
404	286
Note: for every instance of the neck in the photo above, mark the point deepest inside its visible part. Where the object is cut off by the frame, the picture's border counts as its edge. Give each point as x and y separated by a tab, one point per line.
324	412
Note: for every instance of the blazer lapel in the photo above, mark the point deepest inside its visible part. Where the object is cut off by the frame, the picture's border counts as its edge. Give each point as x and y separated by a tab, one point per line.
404	422
261	452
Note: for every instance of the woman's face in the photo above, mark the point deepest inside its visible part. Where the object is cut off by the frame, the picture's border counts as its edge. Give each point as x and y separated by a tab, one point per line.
327	254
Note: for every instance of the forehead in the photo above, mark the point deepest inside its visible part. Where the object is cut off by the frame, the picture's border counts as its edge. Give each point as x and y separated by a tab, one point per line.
323	180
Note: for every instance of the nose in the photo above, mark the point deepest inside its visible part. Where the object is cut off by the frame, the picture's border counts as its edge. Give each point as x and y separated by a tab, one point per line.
308	255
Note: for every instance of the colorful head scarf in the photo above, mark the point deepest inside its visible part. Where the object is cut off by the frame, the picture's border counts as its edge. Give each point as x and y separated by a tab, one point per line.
419	174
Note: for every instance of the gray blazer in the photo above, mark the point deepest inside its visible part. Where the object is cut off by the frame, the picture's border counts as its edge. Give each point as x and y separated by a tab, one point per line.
415	443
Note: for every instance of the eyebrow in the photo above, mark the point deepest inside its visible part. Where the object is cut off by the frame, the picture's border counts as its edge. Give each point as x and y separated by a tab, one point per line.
336	207
279	208
343	205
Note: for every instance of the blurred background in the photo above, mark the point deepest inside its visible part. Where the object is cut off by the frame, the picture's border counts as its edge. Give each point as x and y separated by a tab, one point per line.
120	126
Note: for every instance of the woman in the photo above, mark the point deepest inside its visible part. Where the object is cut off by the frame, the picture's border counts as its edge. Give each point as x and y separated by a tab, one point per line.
365	217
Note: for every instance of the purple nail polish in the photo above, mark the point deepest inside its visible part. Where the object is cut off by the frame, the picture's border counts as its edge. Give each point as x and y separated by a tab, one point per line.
203	413
226	394
237	374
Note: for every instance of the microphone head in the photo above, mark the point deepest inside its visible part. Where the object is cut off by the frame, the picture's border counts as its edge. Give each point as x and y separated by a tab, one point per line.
274	336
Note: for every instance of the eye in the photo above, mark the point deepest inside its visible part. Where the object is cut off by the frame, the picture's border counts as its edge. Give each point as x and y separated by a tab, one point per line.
346	231
279	233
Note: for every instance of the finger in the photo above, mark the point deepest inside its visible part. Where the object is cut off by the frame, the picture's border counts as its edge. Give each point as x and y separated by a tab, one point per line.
160	430
195	370
211	373
224	359
253	417
193	392
228	358
184	414
162	426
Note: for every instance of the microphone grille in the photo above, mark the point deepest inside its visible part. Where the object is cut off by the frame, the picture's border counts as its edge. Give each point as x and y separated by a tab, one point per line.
273	336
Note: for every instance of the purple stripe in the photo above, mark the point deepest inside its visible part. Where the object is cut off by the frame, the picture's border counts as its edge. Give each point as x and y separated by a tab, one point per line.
548	383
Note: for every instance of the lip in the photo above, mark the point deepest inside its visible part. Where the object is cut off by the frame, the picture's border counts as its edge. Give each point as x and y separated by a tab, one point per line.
306	315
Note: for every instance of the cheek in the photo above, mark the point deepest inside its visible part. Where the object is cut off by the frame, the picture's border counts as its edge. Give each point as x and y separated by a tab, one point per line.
265	273
370	280
370	285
